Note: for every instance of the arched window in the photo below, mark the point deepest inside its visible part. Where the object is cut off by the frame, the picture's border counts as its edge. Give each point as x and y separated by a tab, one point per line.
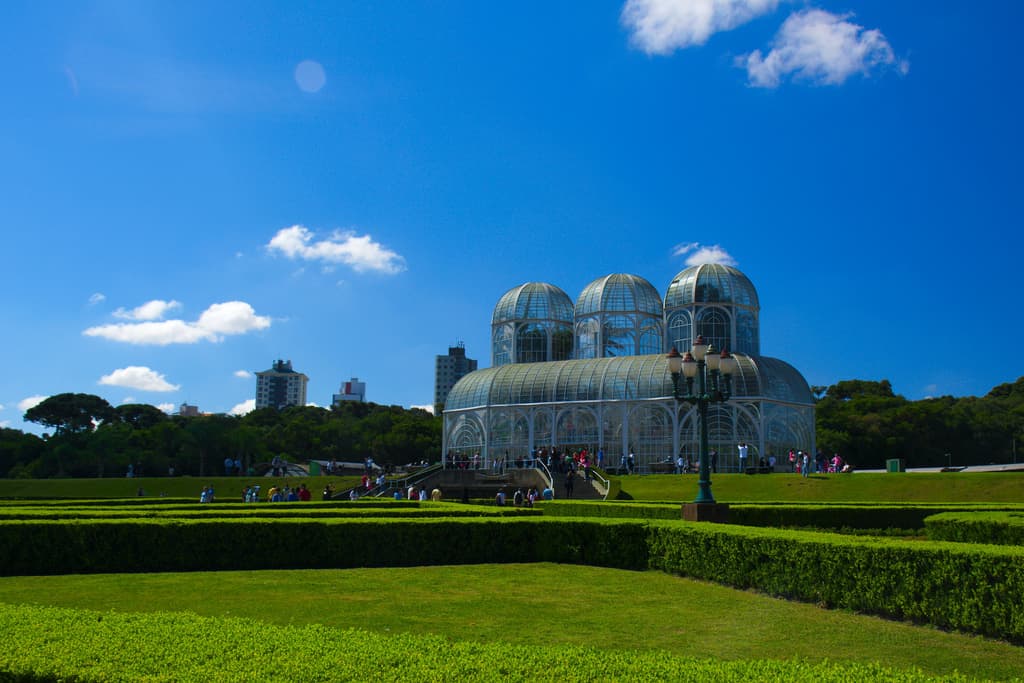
501	345
651	338
531	344
586	338
680	332
746	333
713	323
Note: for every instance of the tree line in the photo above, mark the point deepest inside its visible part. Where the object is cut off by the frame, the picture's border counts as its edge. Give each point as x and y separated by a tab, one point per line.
88	438
867	423
864	421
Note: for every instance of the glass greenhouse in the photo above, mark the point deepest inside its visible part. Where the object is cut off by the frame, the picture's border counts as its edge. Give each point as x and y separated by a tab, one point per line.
595	375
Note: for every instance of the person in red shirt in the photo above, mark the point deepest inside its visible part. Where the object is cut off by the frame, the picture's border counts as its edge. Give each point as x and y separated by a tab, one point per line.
303	492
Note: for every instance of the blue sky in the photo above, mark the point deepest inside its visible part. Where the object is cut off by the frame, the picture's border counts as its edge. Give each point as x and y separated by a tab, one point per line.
192	190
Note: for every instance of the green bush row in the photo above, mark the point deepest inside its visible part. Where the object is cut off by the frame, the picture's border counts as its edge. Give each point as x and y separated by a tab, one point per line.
52	644
264	511
1004	528
979	589
153	545
832	516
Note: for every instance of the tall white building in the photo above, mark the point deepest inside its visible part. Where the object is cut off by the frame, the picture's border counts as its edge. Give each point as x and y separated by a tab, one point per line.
280	386
352	390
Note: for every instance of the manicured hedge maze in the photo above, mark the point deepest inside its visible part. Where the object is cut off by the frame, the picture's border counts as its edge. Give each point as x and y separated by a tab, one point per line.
973	588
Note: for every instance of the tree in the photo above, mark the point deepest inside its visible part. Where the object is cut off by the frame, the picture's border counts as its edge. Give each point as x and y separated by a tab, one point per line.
71	413
140	415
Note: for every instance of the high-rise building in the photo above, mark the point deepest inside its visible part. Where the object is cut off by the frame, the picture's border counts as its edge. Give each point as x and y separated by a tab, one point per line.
352	390
188	411
447	371
280	386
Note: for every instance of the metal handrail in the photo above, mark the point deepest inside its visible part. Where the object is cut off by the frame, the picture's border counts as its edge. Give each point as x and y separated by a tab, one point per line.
406	482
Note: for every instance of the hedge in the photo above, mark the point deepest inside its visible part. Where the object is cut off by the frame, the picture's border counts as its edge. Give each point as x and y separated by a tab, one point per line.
52	644
152	545
1003	528
832	516
979	589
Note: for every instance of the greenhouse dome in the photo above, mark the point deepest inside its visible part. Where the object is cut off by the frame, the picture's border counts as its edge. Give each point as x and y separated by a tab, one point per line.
533	301
531	323
711	283
618	293
618	315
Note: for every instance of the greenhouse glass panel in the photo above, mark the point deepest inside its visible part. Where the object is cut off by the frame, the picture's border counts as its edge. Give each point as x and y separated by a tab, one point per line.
531	344
714	324
619	336
501	350
586	338
679	332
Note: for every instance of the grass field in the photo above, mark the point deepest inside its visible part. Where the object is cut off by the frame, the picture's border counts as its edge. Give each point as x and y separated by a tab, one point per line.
939	487
543	603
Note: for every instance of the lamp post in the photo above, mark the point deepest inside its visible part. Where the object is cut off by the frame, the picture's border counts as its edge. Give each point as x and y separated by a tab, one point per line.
713	374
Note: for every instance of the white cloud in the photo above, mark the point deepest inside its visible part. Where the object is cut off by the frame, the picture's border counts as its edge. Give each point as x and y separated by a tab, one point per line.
1	406
30	402
166	407
228	318
822	48
4	424
358	251
243	407
96	298
151	310
429	409
244	374
700	254
138	377
659	27
310	404
127	399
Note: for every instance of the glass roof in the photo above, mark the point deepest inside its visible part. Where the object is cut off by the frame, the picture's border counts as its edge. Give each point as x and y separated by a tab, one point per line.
711	283
618	292
533	301
613	379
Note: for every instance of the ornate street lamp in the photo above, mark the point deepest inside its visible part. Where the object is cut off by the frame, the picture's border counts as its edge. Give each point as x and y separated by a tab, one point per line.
713	374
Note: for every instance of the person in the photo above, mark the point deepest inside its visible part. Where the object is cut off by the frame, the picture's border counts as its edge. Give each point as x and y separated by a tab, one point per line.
397	494
679	464
631	462
435	495
353	495
714	460
423	493
600	458
568	484
304	494
238	467
131	471
792	460
328	491
499	499
743	448
547	493
517	498
228	464
805	465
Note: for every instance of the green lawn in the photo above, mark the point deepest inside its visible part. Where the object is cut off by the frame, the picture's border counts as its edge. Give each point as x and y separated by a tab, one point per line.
227	488
937	487
543	603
